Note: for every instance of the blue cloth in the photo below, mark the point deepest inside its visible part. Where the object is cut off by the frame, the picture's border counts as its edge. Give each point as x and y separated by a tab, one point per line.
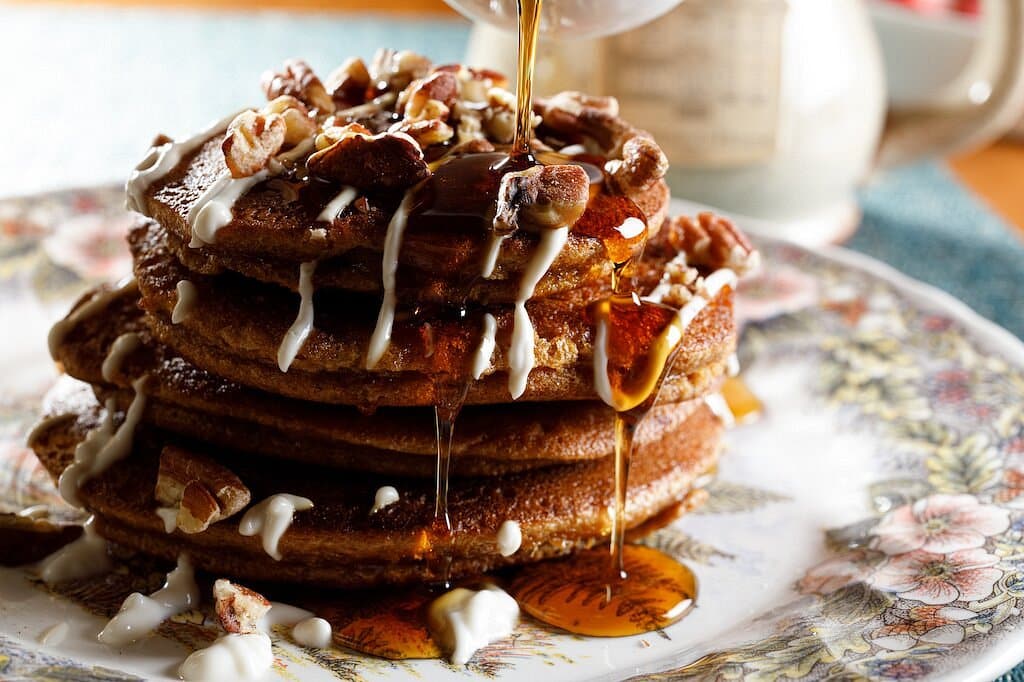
923	222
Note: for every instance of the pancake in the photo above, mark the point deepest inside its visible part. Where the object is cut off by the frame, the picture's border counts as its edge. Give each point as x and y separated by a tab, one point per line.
224	335
186	400
338	543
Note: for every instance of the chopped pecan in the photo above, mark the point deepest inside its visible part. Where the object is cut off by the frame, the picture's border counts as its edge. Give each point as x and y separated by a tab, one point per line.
334	134
202	490
393	70
238	608
297	79
542	197
713	242
425	133
642	164
252	140
430	97
391	160
475	82
299	125
349	83
576	114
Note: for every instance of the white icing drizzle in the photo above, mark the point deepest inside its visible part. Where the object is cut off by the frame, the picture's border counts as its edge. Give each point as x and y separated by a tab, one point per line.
385	496
381	338
281	614
297	334
732	365
53	635
707	290
313	632
338	204
161	160
230	657
482	357
94	305
520	353
271	518
632	227
491	255
123	345
141	615
104	445
36	511
187	295
85	557
212	210
169	515
463	620
510	538
573	150
716	403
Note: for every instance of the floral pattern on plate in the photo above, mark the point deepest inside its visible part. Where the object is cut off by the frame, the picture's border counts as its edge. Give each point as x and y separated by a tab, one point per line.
869	525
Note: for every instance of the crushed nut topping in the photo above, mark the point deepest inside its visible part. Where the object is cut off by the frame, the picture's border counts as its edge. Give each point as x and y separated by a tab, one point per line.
297	79
238	608
299	124
202	490
252	140
642	164
542	197
349	83
714	242
384	160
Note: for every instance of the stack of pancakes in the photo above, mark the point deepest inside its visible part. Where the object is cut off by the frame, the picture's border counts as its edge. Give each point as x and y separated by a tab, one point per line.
186	358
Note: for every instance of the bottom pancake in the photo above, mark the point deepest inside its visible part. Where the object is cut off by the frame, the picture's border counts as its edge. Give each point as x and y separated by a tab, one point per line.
340	543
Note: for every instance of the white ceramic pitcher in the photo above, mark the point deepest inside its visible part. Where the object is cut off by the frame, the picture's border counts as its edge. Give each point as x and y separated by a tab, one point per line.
769	108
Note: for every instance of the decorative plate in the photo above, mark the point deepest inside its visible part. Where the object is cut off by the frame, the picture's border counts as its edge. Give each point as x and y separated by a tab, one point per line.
870	524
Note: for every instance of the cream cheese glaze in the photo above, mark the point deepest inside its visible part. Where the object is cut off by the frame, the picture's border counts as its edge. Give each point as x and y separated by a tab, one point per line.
104	445
187	296
140	615
482	356
123	345
510	538
381	338
271	518
338	204
313	632
162	160
297	334
86	556
520	353
230	657
99	302
464	620
385	496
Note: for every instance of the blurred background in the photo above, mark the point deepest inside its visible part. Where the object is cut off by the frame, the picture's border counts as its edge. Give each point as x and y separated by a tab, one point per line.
891	125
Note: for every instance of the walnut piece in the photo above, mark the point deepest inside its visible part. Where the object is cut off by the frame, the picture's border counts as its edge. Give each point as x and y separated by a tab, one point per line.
299	125
430	97
334	134
642	164
576	114
349	83
542	197
713	242
202	490
391	70
252	140
238	608
425	133
391	160
297	79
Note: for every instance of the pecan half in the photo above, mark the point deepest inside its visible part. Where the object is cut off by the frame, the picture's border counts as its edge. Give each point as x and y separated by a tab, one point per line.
575	114
542	197
714	242
202	490
297	79
252	140
349	83
642	164
299	125
392	70
425	133
238	608
430	97
392	160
